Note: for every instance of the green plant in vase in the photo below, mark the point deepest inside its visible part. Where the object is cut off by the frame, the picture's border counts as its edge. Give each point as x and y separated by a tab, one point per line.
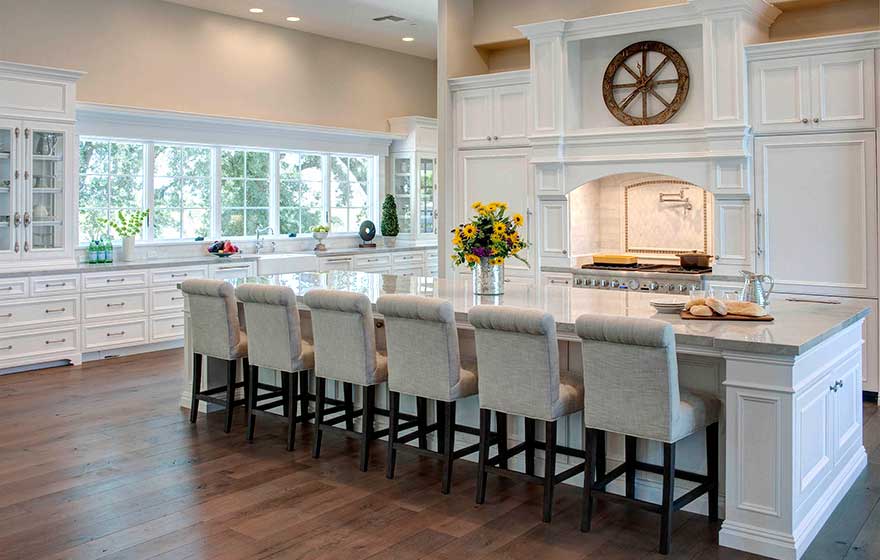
390	226
127	225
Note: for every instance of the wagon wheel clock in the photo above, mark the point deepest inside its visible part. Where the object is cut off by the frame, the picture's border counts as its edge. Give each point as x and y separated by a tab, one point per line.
640	80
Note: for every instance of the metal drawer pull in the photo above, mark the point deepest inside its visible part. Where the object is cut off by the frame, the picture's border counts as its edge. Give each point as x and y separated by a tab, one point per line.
6	315
121	304
59	310
176	326
120	333
59	341
554	281
338	260
7	347
179	275
234	267
109	280
7	288
59	285
176	298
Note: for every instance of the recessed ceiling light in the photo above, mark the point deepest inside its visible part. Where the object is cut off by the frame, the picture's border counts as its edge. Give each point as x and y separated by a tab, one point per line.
293	18
408	39
256	10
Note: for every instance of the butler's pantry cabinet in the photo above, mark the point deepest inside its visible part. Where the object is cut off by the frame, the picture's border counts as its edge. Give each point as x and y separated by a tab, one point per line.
490	111
832	91
37	165
413	176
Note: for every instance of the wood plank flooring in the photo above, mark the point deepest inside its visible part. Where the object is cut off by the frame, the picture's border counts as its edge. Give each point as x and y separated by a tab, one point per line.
99	461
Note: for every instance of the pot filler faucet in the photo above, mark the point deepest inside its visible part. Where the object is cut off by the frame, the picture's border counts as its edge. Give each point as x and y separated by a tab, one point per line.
262	230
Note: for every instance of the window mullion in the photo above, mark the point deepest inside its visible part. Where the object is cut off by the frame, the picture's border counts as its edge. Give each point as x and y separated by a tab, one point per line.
274	191
149	171
325	176
216	186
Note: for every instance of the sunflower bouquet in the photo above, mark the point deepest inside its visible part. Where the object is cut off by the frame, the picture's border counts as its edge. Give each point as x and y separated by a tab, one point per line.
491	234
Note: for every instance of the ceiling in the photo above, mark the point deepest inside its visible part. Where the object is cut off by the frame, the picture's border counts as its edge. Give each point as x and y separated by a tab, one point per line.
349	20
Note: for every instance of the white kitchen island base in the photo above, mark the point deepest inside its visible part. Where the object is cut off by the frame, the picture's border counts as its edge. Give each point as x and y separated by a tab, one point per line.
792	426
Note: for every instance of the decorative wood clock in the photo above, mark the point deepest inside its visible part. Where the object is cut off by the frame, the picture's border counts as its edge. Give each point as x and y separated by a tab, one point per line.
633	92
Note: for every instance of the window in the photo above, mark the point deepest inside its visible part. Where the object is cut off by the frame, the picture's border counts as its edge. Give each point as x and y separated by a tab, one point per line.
244	195
301	200
349	192
181	192
111	179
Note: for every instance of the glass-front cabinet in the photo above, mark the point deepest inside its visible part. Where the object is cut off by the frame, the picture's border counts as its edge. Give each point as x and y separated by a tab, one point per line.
8	192
414	192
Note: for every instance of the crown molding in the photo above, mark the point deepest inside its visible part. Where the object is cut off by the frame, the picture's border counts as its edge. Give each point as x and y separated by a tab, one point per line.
814	45
490	80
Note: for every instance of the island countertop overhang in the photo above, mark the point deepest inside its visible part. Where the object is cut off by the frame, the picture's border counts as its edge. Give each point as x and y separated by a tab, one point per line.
798	326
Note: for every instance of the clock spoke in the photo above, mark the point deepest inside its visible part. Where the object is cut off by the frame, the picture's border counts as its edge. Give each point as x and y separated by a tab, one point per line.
644	105
659	67
620	86
630	70
629	99
671	81
658	96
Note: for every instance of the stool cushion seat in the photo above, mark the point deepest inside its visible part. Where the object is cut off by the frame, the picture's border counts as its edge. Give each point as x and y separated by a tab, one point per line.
571	394
696	411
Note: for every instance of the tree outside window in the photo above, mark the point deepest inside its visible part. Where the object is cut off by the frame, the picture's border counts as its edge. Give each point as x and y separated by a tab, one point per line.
111	179
349	192
244	196
181	192
301	197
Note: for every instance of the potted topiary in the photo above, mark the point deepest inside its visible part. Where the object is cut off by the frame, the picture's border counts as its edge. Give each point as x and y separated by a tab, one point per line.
390	227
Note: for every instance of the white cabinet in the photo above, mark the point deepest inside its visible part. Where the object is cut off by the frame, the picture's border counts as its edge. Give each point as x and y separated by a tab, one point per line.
335	263
496	175
554	230
413	189
233	270
816	213
832	91
492	116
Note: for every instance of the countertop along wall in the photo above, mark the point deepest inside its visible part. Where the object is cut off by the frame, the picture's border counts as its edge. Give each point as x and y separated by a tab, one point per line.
158	55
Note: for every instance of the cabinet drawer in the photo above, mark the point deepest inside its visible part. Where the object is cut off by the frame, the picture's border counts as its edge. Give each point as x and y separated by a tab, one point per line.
362	262
116	334
166	300
409	271
230	271
175	275
106	305
49	285
166	328
128	279
22	346
409	258
13	288
36	312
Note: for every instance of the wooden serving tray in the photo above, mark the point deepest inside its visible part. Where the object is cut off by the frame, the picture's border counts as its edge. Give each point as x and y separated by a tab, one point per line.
728	317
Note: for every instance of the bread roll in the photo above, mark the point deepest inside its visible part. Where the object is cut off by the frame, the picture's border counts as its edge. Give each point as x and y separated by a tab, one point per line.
701	311
745	309
693	302
717	306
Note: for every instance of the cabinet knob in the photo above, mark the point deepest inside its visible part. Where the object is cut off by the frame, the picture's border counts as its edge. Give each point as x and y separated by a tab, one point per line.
488	138
805	120
816	119
494	138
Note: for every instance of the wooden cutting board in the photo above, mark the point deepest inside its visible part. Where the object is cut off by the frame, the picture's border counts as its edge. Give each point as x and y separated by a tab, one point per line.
728	317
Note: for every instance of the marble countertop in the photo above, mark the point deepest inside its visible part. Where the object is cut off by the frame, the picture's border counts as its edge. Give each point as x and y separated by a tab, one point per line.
798	326
346	251
191	260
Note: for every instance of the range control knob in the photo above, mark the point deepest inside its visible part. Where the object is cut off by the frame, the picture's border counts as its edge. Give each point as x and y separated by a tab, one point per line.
593	282
633	284
603	283
653	286
682	288
615	283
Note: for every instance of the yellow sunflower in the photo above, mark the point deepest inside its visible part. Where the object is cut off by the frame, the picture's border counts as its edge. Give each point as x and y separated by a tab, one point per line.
514	237
518	219
477	205
469	231
471	259
497	260
492	207
456	240
502	205
499	227
495	238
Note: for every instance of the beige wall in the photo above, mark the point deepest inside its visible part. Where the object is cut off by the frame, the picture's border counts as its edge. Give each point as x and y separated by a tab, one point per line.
845	16
460	56
148	53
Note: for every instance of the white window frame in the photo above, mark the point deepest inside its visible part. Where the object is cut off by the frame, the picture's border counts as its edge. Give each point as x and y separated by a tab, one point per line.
374	177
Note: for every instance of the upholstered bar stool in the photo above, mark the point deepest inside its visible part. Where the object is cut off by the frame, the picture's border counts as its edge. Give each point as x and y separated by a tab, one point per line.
631	380
345	350
424	362
518	360
275	342
216	335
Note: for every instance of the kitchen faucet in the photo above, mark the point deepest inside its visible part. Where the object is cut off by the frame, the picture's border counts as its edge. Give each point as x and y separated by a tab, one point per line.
262	230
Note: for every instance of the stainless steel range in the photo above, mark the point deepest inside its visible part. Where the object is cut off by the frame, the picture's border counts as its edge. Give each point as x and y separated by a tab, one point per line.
659	278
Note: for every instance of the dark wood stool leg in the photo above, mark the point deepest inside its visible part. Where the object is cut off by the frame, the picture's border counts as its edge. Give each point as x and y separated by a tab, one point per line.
422	418
668	491
291	398
304	392
549	469
285	389
485	434
230	394
530	445
251	380
320	385
501	429
600	456
448	445
393	411
246	367
196	387
630	466
348	391
589	476
712	469
440	408
367	426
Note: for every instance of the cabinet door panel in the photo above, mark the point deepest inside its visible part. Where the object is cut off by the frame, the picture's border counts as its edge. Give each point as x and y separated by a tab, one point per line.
49	190
843	90
847	409
9	190
554	229
818	195
780	92
474	117
814	424
509	123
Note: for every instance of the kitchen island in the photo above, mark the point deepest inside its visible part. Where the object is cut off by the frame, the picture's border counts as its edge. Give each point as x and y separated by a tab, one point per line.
792	425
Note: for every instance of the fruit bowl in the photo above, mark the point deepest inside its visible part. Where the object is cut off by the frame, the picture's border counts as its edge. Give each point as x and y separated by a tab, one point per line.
223	248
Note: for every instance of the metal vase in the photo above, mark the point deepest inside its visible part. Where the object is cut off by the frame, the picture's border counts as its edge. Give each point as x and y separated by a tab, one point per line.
488	278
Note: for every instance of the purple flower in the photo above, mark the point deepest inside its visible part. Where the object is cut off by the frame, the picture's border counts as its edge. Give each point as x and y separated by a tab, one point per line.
482	251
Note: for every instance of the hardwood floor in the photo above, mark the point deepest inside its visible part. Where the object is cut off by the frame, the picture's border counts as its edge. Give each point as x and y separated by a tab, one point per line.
99	461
